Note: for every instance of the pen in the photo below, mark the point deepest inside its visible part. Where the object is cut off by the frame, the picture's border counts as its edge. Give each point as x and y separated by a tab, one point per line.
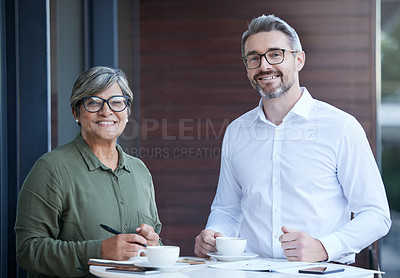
115	232
109	229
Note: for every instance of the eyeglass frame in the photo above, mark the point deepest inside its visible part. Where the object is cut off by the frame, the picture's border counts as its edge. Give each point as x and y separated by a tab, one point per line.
106	101
244	58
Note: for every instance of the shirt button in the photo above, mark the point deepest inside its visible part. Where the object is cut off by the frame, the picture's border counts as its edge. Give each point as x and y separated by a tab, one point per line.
276	210
276	155
125	227
121	202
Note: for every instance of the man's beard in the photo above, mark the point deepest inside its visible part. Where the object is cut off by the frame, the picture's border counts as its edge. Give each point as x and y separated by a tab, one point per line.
270	92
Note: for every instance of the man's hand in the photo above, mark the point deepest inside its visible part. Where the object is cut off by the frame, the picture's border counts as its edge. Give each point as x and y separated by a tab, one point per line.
124	246
205	243
301	247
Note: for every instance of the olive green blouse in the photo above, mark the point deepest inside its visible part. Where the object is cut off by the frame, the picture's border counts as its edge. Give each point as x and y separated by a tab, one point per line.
66	196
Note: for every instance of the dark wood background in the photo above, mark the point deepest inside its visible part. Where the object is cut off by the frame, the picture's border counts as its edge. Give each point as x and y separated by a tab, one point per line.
190	83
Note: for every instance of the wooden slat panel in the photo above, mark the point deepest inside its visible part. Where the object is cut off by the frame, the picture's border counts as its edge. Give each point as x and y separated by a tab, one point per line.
203	96
284	8
217	28
181	235
194	112
193	182
336	42
181	199
183	164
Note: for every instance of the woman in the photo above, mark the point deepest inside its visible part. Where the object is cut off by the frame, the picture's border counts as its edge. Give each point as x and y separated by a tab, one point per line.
73	189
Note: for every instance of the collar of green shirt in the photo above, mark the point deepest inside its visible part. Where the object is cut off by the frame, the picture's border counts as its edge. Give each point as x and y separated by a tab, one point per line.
91	159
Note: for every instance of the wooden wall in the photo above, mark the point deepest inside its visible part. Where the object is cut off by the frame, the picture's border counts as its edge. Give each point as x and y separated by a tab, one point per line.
191	83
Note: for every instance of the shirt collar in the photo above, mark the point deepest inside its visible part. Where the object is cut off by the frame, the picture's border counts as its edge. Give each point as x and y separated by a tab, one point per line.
259	113
302	107
91	159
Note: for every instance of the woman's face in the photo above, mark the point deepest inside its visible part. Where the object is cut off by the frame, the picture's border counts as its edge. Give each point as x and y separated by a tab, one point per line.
104	125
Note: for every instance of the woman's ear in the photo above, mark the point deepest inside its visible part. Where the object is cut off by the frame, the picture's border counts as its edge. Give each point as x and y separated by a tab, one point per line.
75	115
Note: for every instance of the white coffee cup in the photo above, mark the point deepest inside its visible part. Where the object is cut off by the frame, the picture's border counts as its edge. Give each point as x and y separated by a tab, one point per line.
161	255
231	246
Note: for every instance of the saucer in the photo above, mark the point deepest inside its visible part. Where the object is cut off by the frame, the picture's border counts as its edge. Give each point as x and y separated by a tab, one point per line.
222	258
171	268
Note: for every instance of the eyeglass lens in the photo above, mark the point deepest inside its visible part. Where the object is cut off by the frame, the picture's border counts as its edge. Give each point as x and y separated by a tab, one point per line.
95	104
273	57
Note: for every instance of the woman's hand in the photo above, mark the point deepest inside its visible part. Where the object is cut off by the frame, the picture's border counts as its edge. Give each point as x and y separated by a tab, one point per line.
147	232
124	246
121	247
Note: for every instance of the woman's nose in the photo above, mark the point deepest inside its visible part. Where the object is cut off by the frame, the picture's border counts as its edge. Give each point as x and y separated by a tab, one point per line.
106	110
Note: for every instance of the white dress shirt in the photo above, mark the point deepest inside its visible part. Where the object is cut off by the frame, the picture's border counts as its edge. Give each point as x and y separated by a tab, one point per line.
308	173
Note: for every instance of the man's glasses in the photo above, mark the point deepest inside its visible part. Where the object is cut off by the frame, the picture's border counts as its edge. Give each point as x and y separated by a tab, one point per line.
273	57
95	104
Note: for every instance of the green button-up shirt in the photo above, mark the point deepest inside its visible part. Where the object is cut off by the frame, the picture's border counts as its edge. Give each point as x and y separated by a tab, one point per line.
66	196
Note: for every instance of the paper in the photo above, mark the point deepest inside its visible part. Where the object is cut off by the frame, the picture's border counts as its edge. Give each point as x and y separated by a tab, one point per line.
261	265
137	261
103	262
286	267
349	271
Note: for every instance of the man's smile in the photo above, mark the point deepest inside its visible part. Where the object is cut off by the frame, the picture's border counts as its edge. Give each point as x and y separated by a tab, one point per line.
264	78
267	76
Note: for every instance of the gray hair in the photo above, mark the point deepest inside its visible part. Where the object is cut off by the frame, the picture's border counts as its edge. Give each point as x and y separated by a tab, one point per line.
96	80
269	23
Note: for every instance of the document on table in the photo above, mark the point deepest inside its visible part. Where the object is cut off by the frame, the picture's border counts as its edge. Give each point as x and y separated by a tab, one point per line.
135	260
287	267
261	265
349	271
102	262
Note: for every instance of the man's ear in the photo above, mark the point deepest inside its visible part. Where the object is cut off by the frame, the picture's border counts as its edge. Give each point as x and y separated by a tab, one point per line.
300	60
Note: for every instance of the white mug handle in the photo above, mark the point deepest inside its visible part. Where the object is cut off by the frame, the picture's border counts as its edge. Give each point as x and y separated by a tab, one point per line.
141	251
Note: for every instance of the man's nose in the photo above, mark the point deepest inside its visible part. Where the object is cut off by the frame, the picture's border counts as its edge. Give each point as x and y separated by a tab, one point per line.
264	63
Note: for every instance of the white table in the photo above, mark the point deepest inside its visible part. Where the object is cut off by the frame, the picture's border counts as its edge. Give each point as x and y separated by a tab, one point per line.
204	271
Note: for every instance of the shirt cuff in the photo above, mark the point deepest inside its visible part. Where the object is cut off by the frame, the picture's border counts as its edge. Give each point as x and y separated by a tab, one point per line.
334	247
220	229
222	223
93	249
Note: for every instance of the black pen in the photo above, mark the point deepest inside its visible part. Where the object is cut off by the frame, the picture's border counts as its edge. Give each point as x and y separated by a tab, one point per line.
115	232
109	229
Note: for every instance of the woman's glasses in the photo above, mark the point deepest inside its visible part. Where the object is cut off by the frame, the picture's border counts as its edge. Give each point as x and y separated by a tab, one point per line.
116	103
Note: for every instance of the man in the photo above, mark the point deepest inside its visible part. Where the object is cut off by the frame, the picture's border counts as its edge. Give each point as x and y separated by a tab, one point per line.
294	168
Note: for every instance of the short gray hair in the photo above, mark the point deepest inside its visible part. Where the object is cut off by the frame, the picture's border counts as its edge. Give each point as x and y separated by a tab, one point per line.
267	23
96	80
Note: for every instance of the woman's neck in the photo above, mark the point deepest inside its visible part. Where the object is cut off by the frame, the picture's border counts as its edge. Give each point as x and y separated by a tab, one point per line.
105	151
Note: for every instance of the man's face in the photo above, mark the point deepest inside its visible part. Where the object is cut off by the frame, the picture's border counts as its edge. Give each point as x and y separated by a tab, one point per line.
272	81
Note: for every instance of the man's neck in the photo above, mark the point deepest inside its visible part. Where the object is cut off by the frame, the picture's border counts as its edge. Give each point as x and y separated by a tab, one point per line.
275	109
